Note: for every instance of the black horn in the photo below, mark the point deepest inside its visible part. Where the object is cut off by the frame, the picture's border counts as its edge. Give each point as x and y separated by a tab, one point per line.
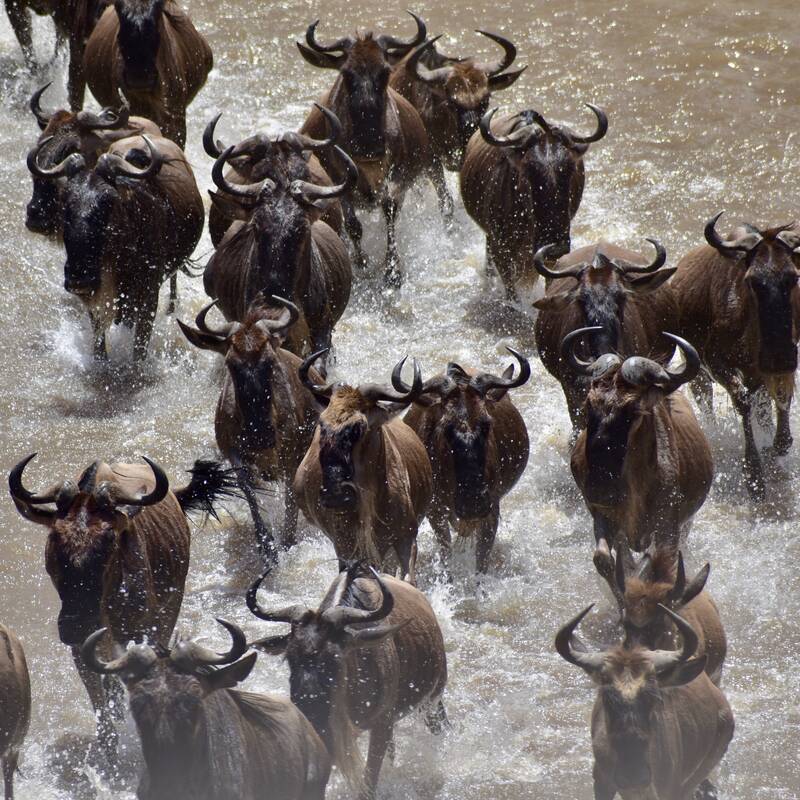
42	119
151	498
290	614
345	615
509	54
485	382
212	148
600	131
588	661
658	262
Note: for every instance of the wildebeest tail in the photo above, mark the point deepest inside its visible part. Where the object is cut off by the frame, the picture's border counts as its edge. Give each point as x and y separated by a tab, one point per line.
210	483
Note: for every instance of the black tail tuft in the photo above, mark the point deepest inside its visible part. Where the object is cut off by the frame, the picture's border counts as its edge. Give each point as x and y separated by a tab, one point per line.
210	483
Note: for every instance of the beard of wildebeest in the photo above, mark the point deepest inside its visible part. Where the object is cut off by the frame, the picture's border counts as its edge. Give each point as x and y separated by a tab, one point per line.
88	204
603	305
366	85
772	278
252	383
139	40
336	445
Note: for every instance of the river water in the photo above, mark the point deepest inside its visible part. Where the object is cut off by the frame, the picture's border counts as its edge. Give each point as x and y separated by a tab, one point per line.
702	99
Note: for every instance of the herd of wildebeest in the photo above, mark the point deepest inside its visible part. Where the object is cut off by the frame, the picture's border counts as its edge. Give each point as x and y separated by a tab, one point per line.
115	187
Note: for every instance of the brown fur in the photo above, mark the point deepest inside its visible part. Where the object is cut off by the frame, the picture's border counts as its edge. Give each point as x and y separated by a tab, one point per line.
645	314
15	705
183	63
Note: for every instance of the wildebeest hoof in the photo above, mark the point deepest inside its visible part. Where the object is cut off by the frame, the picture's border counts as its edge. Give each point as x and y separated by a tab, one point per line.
392	279
705	791
782	445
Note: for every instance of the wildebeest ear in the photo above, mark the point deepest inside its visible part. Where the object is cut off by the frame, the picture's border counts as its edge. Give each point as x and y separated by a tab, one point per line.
230	676
228	206
499	82
641	284
554	302
272	645
361	637
696	585
683	673
203	340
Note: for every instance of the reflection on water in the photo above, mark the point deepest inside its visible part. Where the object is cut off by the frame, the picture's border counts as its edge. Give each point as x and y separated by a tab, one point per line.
702	100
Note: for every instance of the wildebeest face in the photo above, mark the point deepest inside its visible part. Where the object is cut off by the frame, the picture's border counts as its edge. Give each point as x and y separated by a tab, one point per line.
88	204
139	40
340	435
772	272
466	92
366	78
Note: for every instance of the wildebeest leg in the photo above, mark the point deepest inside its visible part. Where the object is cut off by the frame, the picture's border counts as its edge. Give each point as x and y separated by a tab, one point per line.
391	274
603	791
9	768
441	529
20	20
498	256
603	535
753	472
106	732
264	537
354	230
379	738
99	339
705	791
406	549
76	79
436	719
144	330
173	292
487	532
783	435
436	174
289	532
703	392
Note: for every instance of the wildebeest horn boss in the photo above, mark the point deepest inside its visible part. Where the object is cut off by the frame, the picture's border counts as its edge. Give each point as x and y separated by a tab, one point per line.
381	130
116	526
367	656
201	738
522	182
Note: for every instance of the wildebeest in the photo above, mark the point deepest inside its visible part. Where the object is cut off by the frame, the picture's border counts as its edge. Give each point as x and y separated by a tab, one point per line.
659	579
73	20
117	554
643	464
265	416
258	157
15	705
522	182
128	223
740	303
201	739
381	131
151	52
610	287
366	479
279	246
451	95
659	725
478	446
349	674
64	133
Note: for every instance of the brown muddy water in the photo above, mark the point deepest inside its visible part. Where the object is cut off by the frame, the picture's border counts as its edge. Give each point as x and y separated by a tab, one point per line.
703	107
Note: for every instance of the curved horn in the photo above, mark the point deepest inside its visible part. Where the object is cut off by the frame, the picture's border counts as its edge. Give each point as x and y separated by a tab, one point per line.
41	118
290	614
484	382
135	660
124	169
334	132
538	263
20	493
509	54
691	367
343	615
322	393
420	71
679	586
188	654
600	131
288	318
311	192
108	118
590	662
339	45
393	43
568	351
657	263
729	247
664	660
247	190
156	496
516	139
375	392
212	148
72	161
202	325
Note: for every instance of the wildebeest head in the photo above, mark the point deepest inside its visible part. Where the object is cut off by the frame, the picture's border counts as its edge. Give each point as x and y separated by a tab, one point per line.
770	261
319	643
167	691
350	415
659	579
90	197
621	396
90	529
139	39
251	356
629	682
601	291
279	213
460	89
463	429
549	163
63	133
359	95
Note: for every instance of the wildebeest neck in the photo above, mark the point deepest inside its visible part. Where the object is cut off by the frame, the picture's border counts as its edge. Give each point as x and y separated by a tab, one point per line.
252	381
777	350
139	40
603	305
550	171
469	445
